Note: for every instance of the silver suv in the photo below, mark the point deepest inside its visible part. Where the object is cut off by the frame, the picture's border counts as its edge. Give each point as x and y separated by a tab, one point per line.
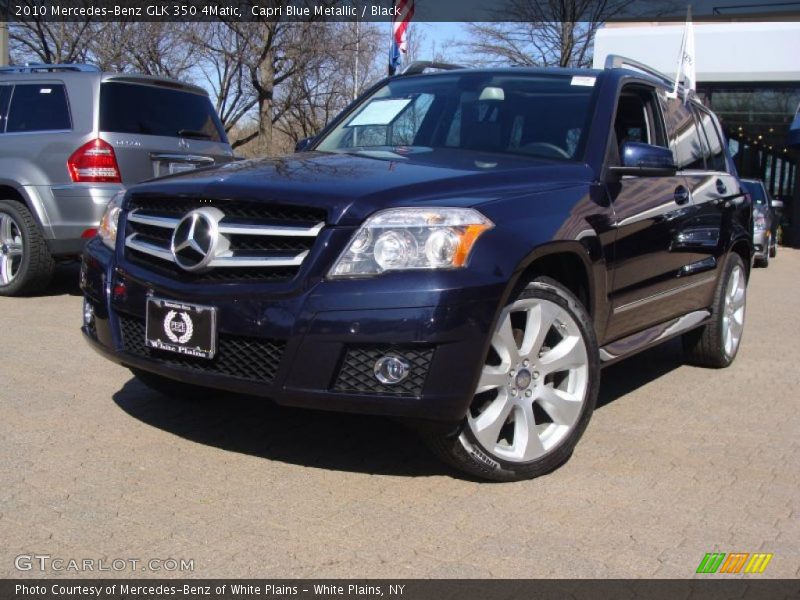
70	138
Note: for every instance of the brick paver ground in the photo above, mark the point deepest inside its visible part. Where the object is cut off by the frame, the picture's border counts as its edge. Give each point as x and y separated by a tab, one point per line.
677	462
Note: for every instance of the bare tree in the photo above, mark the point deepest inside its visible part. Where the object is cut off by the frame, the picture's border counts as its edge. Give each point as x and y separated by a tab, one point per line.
222	65
327	84
544	32
152	48
38	40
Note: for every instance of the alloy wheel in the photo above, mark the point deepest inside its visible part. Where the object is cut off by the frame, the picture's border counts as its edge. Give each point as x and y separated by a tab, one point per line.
534	384
10	248
733	311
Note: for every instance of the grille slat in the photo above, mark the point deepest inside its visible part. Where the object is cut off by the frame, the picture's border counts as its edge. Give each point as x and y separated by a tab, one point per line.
266	242
252	359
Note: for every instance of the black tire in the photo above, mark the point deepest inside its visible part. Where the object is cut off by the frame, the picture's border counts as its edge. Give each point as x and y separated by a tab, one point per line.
705	346
457	445
763	262
176	389
34	270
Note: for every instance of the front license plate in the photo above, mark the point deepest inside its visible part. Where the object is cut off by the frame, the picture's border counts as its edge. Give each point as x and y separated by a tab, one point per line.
186	329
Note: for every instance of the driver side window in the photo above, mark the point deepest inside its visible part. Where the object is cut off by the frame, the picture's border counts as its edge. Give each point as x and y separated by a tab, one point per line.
637	118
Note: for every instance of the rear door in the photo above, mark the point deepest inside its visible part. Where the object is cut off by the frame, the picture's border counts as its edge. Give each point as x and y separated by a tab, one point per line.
159	128
716	194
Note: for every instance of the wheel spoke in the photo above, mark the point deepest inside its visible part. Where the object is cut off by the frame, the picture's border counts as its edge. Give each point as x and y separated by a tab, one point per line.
489	423
504	342
728	340
540	320
562	407
15	249
492	377
527	444
5	270
6	236
569	353
734	284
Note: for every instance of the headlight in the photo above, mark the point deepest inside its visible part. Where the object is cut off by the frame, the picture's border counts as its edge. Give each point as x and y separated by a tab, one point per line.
412	238
108	224
759	222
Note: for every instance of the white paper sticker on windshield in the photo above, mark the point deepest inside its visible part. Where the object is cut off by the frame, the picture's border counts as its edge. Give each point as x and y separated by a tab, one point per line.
45	90
585	81
379	112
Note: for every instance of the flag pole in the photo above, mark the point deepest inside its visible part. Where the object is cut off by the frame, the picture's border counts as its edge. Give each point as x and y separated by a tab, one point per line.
682	53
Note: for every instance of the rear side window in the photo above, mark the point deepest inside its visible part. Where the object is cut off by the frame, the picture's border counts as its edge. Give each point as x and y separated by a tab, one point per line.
756	191
715	155
38	107
151	110
684	140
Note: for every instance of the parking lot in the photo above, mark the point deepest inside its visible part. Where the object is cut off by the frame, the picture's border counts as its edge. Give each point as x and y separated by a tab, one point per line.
677	462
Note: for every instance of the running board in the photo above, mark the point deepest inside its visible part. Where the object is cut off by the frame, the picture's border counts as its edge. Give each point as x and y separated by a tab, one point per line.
642	340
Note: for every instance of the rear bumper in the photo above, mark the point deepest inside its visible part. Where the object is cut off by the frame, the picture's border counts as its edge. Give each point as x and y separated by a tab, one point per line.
323	341
65	212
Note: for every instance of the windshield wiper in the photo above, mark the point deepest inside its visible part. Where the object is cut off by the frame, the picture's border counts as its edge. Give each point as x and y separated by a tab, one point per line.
191	133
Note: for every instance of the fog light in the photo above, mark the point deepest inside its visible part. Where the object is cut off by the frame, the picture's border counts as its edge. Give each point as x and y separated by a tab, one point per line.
88	313
391	370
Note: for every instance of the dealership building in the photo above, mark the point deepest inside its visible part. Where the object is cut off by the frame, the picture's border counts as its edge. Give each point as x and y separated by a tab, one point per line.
749	74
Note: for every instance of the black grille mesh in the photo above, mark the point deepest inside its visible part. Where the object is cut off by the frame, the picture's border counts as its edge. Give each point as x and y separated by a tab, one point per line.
254	359
357	372
240	210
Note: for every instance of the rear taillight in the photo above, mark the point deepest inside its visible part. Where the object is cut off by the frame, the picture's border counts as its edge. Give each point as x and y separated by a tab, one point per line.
94	162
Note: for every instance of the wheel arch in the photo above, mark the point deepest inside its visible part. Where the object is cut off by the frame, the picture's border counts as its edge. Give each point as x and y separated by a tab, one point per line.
574	264
744	249
11	191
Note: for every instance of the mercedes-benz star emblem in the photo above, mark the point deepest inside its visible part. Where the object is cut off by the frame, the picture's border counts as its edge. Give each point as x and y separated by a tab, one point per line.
196	239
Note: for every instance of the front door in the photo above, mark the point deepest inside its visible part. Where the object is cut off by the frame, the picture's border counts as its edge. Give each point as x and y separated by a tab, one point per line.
650	282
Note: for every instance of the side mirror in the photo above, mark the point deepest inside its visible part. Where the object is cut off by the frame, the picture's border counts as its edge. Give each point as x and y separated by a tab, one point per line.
644	160
778	204
304	144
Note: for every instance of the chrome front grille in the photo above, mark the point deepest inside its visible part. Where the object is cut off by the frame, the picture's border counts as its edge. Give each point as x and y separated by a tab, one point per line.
252	241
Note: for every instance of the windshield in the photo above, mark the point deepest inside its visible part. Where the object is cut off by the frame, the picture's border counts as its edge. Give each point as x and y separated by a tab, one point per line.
152	110
506	113
756	191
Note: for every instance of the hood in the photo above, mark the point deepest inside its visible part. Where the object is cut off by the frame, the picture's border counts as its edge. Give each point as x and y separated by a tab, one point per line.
353	186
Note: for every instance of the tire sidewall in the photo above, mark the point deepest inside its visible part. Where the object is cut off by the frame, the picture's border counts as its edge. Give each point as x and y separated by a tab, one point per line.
483	462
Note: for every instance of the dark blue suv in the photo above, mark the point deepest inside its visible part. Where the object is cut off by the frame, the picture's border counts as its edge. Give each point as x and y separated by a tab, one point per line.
464	249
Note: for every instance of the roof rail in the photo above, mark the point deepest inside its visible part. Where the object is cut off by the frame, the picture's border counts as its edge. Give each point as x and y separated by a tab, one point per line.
420	66
615	61
36	67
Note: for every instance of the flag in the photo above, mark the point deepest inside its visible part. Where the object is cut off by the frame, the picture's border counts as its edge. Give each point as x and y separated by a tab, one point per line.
686	59
405	11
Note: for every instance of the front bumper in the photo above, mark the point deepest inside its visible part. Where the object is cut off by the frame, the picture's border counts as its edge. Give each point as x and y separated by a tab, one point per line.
312	347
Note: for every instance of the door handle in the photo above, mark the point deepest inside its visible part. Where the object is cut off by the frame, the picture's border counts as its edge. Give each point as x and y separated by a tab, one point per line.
681	195
721	187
